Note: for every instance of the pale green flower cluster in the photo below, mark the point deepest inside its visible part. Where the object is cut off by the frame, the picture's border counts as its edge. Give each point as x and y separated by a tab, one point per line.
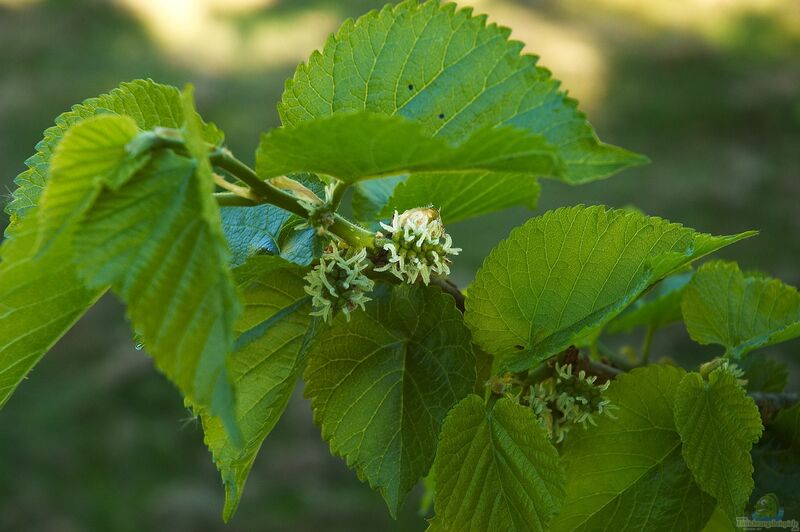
732	368
568	399
338	282
418	245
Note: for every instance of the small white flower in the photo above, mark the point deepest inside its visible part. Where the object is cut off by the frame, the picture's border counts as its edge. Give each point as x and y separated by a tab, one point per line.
418	245
569	399
330	188
338	282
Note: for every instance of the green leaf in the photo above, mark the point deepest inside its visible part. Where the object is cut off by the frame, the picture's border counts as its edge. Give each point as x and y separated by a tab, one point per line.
718	424
39	301
657	310
40	296
365	145
452	74
495	470
31	324
269	230
197	147
381	385
457	196
562	276
742	313
148	103
155	239
428	493
81	166
92	154
627	473
765	375
370	197
719	522
264	367
265	229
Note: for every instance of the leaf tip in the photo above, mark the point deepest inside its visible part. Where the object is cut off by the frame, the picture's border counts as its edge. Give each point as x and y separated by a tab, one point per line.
233	496
747	234
631	159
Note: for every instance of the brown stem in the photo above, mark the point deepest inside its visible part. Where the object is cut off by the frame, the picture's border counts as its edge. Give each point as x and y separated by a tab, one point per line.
449	287
769	404
603	370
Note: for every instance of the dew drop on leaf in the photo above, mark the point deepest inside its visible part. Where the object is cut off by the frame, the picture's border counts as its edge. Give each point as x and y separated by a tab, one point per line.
138	342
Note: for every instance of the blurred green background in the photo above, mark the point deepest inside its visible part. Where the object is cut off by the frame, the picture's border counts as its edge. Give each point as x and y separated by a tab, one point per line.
96	440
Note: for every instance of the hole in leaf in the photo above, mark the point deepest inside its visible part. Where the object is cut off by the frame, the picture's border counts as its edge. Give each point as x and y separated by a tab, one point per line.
519	347
441	116
410	87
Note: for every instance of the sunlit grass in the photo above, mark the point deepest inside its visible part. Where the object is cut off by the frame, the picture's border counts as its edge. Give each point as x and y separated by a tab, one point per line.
16	4
205	35
712	20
